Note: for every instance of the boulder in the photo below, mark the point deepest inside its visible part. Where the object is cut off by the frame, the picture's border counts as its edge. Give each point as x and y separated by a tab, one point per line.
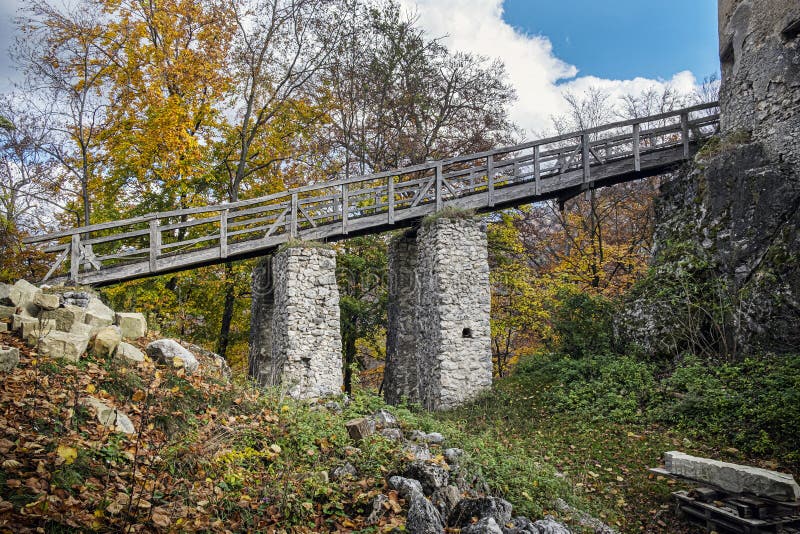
129	352
5	294
107	340
9	358
445	499
418	452
110	417
482	507
3	327
76	298
452	455
548	525
485	526
7	311
384	419
360	428
434	438
62	345
378	510
344	471
406	487
68	316
28	326
733	477
22	294
83	330
423	517
393	434
46	301
168	350
98	314
430	475
133	325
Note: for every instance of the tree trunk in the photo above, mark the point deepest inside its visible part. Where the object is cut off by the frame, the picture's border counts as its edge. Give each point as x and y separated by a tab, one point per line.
349	358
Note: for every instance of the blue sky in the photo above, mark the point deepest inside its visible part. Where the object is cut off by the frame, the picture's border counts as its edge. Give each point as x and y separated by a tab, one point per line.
621	39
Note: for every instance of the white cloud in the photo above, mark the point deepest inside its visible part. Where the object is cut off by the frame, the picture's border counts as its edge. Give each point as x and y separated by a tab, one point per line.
539	77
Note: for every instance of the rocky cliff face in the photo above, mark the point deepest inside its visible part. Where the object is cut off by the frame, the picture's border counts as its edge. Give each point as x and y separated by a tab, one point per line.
726	276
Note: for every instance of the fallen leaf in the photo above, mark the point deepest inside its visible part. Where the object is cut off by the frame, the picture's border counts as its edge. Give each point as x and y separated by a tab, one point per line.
68	454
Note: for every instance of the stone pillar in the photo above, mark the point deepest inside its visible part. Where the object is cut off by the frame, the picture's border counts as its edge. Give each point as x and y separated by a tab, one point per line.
261	366
400	378
306	335
439	339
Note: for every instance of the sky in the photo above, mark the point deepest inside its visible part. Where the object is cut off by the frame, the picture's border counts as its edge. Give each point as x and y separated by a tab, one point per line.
549	47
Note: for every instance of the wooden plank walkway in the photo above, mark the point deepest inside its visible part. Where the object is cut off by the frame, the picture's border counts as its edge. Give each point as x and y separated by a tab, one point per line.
556	167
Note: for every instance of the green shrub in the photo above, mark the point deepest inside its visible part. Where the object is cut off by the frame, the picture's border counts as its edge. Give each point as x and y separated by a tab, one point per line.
582	324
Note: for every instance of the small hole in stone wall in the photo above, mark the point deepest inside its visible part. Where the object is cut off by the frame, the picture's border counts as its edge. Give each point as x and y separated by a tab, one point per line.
467	332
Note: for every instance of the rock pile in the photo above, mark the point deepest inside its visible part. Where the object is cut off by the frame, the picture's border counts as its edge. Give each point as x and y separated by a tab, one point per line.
440	493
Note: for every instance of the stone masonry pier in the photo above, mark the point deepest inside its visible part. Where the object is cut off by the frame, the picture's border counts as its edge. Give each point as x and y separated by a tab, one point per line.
438	350
295	337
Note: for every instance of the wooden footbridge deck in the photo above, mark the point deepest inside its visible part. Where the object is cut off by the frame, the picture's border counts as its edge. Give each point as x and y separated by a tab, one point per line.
556	167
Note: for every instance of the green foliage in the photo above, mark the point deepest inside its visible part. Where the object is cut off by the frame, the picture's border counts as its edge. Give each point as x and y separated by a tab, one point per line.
582	324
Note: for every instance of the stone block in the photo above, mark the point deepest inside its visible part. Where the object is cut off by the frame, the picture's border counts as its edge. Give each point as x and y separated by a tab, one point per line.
9	358
46	301
68	316
129	352
98	314
107	340
5	294
733	477
83	330
62	345
7	311
168	350
3	327
133	325
110	417
22	293
360	428
29	326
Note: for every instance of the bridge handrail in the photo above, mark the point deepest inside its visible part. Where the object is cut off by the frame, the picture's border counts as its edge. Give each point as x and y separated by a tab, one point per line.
430	165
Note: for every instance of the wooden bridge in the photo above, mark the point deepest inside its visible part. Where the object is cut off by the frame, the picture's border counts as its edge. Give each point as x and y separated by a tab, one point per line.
556	167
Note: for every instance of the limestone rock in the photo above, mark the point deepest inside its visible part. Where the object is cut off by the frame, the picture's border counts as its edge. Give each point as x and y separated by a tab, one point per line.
7	311
485	526
111	417
344	471
98	314
377	510
384	419
406	487
734	478
445	499
133	325
418	451
22	294
167	350
46	301
28	326
5	294
62	345
3	327
107	340
482	507
431	476
520	525
76	298
9	358
129	352
452	455
393	434
548	525
423	517
68	316
360	428
83	329
433	438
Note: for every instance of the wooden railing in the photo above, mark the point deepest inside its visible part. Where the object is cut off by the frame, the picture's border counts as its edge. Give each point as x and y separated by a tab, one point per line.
163	242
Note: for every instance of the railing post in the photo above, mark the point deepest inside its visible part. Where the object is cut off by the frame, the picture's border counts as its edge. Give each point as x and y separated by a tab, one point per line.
537	171
685	133
155	244
490	178
75	258
390	199
345	207
223	234
438	189
587	172
637	156
293	221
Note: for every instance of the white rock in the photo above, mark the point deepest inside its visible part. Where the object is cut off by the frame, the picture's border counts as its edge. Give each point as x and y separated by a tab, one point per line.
9	358
98	314
733	477
3	327
5	294
62	345
46	301
83	330
68	316
133	325
129	352
107	340
28	326
7	311
166	350
22	293
110	417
